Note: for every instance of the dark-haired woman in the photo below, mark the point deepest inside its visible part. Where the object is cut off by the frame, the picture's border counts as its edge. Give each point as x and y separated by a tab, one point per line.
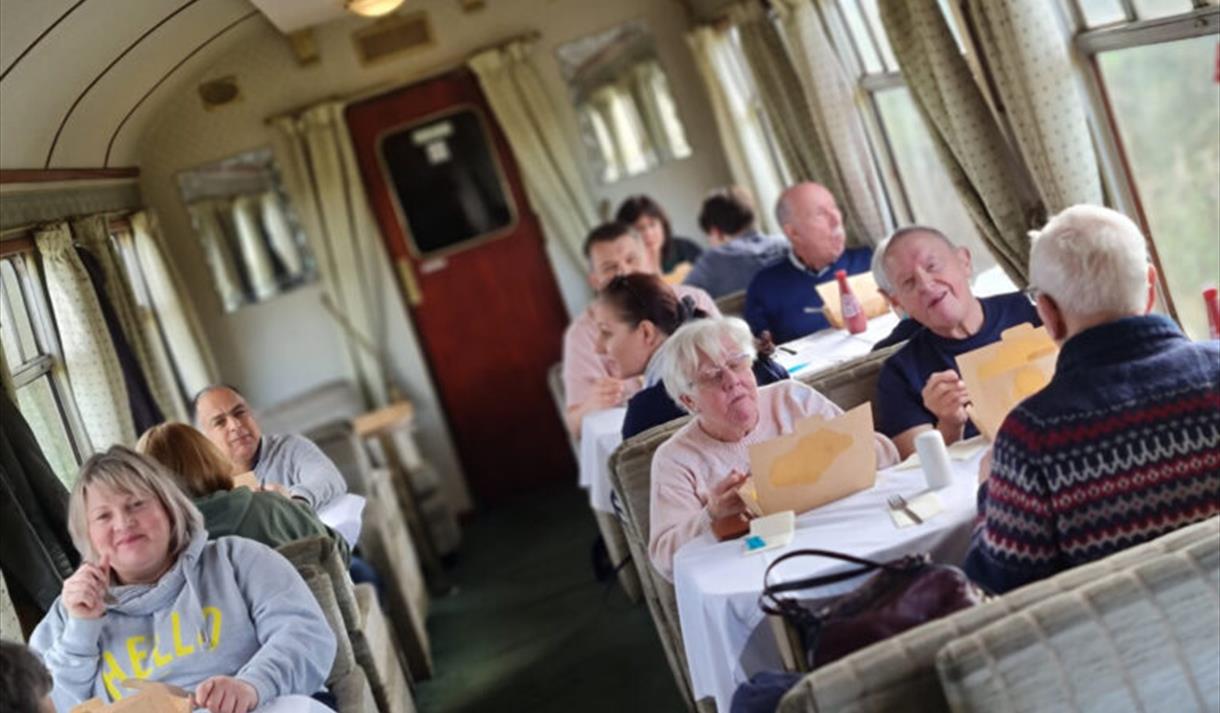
635	314
672	255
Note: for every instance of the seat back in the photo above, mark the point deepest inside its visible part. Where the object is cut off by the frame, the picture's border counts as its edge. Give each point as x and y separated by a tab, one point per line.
1143	638
631	478
320	565
899	674
554	382
733	304
853	382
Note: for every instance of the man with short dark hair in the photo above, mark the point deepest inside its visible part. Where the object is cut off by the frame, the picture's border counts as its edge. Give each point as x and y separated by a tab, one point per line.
290	463
738	250
589	380
782	298
1123	445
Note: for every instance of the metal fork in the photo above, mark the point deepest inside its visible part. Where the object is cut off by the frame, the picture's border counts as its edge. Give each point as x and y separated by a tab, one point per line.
897	502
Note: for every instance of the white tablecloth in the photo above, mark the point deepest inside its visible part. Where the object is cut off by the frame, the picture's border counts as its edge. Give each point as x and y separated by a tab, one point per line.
600	433
725	633
829	347
344	515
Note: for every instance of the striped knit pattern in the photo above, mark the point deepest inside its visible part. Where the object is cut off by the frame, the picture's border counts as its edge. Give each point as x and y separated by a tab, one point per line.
1121	447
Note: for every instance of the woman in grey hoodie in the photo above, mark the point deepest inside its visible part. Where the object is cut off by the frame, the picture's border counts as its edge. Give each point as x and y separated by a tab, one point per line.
230	620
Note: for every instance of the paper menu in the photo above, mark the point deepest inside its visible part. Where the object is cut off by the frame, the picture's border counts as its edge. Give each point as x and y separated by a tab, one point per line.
150	697
864	287
1003	374
820	461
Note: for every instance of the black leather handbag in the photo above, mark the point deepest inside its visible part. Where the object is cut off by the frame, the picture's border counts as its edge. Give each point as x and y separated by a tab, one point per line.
900	595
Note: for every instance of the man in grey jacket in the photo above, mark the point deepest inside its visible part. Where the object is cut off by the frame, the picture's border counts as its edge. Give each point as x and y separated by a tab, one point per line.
290	463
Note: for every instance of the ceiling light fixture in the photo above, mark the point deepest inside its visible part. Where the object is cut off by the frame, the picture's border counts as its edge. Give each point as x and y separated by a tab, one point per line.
372	8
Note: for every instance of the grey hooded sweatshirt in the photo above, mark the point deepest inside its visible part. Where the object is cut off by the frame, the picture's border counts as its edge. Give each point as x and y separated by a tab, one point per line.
230	607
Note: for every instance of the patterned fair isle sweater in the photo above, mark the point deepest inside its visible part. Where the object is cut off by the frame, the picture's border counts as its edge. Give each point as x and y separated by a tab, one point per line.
1122	446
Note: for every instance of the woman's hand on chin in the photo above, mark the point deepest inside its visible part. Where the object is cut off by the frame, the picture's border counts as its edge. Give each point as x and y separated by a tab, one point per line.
84	594
225	694
724	500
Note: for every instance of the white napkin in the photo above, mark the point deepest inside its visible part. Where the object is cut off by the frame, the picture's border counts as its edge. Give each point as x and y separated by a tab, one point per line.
962	450
926	505
770	532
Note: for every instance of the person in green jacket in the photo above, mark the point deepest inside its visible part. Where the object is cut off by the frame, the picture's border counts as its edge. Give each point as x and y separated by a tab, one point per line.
206	476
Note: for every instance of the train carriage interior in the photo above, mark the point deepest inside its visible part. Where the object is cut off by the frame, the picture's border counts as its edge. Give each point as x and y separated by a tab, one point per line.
523	355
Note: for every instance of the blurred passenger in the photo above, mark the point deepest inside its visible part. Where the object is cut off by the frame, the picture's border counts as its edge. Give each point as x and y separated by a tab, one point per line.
782	298
928	277
288	463
738	250
25	685
231	621
1123	445
635	314
206	476
667	251
696	473
612	249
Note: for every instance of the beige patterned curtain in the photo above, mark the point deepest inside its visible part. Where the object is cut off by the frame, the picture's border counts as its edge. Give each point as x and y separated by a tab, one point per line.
92	364
93	234
6	378
549	167
741	134
790	111
993	184
188	349
324	181
1028	59
838	128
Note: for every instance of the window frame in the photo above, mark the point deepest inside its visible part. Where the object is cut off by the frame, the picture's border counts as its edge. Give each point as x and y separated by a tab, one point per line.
49	361
1085	45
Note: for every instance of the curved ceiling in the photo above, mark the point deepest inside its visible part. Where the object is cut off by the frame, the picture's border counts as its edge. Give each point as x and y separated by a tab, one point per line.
79	76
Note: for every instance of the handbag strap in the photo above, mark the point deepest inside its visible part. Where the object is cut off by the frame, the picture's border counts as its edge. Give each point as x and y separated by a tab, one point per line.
866	566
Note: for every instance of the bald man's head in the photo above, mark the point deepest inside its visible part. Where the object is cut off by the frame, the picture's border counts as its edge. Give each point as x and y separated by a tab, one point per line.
222	414
810	218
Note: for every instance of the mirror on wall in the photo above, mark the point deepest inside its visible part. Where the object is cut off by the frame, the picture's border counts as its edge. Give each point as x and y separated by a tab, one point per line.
629	123
254	244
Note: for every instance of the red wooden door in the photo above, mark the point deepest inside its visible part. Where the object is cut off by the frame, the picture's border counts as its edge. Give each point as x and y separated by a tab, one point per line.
471	263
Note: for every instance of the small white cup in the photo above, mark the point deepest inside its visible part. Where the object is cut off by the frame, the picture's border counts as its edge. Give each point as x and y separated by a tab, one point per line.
934	459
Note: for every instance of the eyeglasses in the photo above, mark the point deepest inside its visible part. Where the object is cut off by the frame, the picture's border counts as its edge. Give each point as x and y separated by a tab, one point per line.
717	375
1031	293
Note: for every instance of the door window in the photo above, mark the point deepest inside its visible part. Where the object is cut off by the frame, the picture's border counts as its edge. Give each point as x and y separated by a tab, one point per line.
447	181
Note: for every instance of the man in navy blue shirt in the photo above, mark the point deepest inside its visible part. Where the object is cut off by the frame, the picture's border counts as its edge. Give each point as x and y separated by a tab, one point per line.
928	277
782	298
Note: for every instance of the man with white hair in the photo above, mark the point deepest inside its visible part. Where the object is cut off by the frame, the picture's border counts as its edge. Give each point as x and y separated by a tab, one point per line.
1123	445
928	277
782	298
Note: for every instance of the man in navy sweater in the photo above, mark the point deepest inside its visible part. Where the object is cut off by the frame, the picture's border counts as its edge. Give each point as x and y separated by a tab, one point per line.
1123	444
782	298
928	277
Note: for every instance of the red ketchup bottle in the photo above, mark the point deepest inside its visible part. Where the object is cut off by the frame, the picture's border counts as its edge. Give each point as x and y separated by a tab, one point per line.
1212	301
853	313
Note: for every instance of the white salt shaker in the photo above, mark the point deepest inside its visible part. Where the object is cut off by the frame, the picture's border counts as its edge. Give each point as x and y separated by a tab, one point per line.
934	459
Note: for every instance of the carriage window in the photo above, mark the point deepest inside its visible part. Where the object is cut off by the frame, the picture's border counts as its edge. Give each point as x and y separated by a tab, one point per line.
1102	12
915	180
1168	130
629	123
447	181
36	370
924	177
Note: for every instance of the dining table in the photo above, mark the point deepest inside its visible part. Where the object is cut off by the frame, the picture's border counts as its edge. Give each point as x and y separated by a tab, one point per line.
726	635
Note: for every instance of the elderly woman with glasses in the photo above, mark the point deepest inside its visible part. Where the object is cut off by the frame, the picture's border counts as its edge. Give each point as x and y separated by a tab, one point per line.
696	473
